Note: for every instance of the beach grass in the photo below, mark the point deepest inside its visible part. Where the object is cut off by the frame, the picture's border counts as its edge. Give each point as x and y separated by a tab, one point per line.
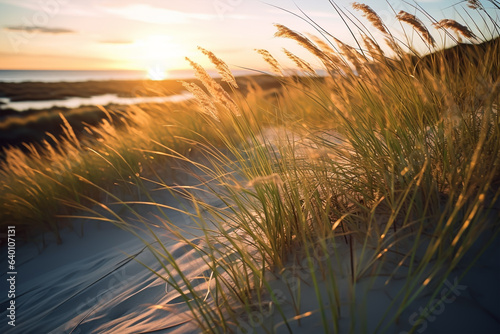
388	167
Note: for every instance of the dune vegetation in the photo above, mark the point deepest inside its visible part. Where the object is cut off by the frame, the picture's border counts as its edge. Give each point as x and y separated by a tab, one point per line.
387	167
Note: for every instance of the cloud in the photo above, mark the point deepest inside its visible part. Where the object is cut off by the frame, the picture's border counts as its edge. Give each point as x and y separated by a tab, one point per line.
54	31
22	4
54	7
150	14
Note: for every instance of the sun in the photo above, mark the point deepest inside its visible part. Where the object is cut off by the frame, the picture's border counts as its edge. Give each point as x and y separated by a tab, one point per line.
157	54
157	72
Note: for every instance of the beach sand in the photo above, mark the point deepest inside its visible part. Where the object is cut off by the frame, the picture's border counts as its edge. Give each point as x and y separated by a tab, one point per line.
97	282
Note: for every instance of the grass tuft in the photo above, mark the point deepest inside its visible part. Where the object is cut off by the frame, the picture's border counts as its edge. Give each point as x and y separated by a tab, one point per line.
305	196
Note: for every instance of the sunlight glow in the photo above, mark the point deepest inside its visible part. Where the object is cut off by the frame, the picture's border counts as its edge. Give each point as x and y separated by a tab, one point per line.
156	54
157	73
157	15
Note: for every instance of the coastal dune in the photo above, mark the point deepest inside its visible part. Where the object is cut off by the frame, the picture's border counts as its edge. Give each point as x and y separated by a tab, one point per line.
357	192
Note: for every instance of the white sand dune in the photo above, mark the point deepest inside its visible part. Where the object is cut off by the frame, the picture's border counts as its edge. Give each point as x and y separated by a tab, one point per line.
473	306
99	283
90	285
95	284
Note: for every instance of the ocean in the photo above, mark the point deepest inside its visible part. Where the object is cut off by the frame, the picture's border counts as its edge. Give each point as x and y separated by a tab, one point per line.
75	76
68	76
75	102
16	76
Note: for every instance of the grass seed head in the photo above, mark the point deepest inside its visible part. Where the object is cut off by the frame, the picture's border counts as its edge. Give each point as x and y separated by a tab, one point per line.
456	27
417	25
372	47
268	58
475	4
351	54
302	64
371	16
203	100
215	90
221	67
306	43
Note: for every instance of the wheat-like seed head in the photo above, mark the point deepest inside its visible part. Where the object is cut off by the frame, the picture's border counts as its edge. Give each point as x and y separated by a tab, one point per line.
417	25
475	4
393	45
455	26
371	16
221	67
285	32
215	90
302	64
322	45
50	152
328	51
68	130
202	75
203	100
268	58
350	54
372	47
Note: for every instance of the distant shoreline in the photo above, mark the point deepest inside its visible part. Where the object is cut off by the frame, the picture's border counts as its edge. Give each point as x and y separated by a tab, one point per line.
16	75
30	125
44	91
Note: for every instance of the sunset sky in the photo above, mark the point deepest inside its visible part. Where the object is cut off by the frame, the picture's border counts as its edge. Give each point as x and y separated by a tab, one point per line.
132	34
